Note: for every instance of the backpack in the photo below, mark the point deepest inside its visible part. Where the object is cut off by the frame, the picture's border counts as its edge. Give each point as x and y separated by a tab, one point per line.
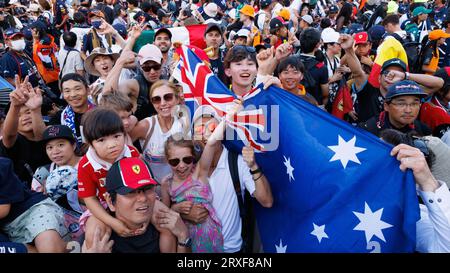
412	50
245	205
308	80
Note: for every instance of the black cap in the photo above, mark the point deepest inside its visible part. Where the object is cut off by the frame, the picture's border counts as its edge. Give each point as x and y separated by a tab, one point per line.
276	22
58	131
394	62
333	9
265	3
163	30
212	27
38	24
405	88
163	13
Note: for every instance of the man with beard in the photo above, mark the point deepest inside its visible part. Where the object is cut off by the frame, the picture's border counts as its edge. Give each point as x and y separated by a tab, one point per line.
163	41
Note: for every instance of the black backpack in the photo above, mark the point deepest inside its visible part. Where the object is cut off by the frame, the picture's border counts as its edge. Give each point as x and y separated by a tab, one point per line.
245	205
412	50
308	80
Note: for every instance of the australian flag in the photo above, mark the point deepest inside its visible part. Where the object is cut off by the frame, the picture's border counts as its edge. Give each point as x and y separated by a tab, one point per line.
335	187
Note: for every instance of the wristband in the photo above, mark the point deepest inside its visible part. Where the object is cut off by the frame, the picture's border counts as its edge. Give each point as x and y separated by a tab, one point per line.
256	171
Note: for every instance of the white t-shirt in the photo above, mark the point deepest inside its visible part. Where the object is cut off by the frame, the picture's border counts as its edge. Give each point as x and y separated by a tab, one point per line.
295	6
154	150
72	63
225	202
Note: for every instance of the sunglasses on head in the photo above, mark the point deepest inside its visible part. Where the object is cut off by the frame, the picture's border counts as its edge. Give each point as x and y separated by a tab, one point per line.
147	68
175	161
167	97
249	49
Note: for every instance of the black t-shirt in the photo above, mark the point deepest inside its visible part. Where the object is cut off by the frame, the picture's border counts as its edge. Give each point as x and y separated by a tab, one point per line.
15	192
145	243
26	156
56	120
369	103
217	67
319	72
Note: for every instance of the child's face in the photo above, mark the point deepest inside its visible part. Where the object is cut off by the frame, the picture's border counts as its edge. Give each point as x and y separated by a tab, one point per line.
103	64
242	73
109	148
282	32
60	151
181	155
204	127
290	78
126	119
241	41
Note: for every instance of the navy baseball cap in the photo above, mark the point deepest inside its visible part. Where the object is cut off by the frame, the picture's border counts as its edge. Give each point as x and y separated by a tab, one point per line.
376	32
265	3
333	9
58	131
405	88
11	32
121	29
394	62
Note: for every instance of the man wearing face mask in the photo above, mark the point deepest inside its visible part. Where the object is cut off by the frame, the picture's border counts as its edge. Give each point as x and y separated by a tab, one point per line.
16	61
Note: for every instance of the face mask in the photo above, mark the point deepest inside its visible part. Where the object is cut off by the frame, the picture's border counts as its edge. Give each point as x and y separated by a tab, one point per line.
96	24
18	45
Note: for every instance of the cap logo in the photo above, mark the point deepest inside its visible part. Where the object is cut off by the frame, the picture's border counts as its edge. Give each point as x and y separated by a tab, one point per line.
136	169
53	131
360	36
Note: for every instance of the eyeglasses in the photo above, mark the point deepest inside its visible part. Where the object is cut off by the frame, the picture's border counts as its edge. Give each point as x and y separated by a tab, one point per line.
167	97
201	129
249	49
148	68
175	161
403	105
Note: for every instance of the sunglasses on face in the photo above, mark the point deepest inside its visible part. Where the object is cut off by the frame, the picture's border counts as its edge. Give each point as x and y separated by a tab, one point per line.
148	68
167	97
175	161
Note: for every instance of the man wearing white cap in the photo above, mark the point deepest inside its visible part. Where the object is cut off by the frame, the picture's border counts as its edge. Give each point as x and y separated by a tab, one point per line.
332	48
306	21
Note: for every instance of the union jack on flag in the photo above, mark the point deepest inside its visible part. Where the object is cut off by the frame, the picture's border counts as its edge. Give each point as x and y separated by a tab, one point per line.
202	87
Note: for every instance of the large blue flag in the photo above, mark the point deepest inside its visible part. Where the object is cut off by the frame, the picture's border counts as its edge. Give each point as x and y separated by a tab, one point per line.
335	187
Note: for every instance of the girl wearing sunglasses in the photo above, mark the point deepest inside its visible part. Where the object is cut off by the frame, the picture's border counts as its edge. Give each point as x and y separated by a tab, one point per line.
153	131
188	185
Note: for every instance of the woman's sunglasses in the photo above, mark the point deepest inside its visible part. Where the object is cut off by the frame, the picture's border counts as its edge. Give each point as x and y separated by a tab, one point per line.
167	97
175	161
147	68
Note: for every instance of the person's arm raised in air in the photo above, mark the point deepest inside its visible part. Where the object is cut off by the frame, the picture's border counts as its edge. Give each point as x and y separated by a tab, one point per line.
352	61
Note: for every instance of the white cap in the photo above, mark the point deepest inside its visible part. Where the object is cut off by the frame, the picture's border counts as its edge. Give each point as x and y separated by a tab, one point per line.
330	35
34	7
242	33
307	18
150	53
232	14
211	9
204	111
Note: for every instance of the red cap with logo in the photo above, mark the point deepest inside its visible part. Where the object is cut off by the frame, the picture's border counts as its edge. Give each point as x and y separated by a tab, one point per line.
361	38
127	175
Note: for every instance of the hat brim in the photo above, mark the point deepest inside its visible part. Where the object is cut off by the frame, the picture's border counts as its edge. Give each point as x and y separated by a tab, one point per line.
14	35
416	94
89	63
394	64
126	190
71	139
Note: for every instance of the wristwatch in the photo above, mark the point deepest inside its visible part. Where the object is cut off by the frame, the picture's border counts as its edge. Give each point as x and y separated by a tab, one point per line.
406	76
255	171
186	243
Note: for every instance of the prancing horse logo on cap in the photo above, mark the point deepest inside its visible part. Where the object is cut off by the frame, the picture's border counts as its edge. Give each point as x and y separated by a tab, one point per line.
136	169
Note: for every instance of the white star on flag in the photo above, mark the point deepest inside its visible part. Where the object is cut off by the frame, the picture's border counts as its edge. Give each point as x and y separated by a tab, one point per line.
281	248
370	222
319	232
289	168
346	151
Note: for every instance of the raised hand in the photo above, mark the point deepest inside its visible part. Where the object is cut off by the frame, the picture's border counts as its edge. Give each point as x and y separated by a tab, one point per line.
346	41
266	61
283	51
19	96
248	155
34	97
